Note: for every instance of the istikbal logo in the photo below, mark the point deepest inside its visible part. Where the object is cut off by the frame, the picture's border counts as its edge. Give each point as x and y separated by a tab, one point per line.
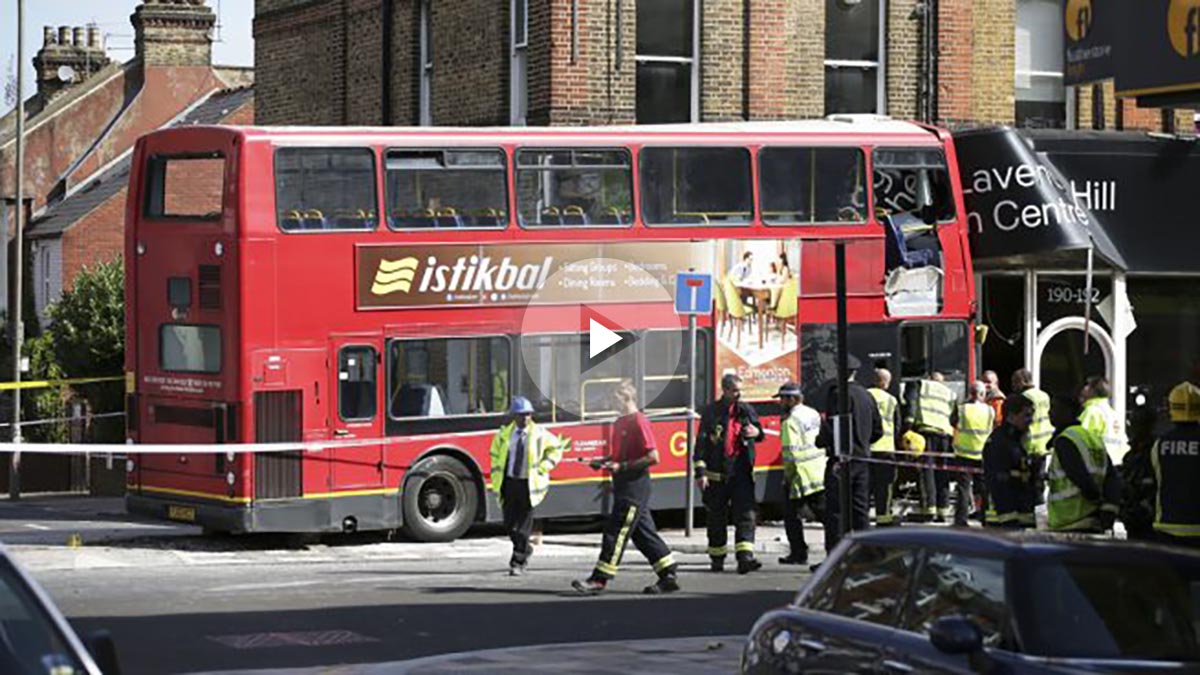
467	273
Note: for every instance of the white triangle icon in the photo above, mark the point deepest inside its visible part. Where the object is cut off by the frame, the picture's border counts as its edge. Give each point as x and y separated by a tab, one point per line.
600	337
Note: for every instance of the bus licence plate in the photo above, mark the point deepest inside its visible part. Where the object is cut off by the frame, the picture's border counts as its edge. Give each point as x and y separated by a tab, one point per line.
184	513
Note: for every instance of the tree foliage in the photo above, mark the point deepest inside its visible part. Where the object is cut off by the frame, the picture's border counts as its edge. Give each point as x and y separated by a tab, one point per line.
87	326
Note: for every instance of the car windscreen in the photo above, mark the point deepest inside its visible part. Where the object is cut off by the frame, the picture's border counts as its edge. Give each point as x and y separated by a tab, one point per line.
1095	609
29	640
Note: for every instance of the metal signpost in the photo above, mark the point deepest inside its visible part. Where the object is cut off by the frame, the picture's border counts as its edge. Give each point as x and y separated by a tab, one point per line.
693	295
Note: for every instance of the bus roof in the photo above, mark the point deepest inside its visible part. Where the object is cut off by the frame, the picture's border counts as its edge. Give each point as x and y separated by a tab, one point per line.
836	126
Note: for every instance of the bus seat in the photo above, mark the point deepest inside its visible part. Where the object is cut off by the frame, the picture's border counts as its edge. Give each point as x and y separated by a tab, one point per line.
291	220
489	218
575	215
551	216
618	216
314	220
896	250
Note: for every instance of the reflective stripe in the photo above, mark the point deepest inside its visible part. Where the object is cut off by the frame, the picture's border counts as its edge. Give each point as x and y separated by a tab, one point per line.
1101	420
663	563
718	551
622	536
1178	530
606	569
887	405
975	422
744	547
1040	429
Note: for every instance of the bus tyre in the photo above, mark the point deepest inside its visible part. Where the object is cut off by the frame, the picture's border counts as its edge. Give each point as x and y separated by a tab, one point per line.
438	499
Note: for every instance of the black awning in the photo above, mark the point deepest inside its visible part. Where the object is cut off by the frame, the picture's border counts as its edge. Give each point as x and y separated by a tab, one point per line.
1022	210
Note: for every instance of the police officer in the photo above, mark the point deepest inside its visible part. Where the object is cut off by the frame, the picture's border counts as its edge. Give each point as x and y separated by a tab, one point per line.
865	428
523	455
1006	467
1176	458
882	475
1085	488
633	453
803	469
930	404
973	424
1099	418
729	428
1037	441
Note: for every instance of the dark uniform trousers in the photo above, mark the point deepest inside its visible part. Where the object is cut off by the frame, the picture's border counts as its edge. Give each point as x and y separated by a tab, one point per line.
793	520
631	520
730	494
859	499
966	485
934	484
518	517
883	480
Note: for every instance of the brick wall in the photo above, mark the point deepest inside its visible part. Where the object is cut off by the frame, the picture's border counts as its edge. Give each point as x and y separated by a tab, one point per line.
470	62
173	34
97	237
903	55
598	88
1130	116
722	52
977	62
298	57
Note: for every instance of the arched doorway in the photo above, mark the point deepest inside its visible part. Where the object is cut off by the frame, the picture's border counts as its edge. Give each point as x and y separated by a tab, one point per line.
1060	363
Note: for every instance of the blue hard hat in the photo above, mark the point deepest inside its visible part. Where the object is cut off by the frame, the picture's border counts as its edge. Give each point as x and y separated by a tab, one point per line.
521	406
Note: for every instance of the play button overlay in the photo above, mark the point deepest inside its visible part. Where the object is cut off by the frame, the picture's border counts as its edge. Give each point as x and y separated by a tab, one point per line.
600	338
593	324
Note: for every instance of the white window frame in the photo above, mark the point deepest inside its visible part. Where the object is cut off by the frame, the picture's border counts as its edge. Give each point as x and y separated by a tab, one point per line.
691	61
425	65
1024	79
518	79
880	66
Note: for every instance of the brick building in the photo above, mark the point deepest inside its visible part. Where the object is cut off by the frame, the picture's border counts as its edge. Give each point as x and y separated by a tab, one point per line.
83	120
499	62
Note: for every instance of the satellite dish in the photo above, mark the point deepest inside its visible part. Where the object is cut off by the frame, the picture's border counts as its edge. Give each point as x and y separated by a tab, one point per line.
66	74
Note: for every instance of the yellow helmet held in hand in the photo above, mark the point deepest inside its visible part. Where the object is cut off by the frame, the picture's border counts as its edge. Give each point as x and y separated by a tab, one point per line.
913	442
1184	401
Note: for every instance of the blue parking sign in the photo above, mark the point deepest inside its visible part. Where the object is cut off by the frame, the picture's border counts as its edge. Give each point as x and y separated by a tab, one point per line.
693	293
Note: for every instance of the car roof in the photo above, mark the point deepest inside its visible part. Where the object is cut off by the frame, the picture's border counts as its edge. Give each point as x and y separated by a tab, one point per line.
1021	544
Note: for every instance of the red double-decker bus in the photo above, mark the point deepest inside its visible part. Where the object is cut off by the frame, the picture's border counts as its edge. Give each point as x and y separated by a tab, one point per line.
397	287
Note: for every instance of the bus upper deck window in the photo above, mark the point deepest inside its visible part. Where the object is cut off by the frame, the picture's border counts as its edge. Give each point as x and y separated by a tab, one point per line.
913	184
185	187
446	188
696	186
580	187
325	189
812	185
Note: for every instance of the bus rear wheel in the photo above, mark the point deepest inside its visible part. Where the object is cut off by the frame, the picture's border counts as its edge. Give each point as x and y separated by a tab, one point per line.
439	499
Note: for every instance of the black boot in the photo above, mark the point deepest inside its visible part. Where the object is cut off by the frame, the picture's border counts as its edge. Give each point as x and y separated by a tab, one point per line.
667	583
717	565
748	565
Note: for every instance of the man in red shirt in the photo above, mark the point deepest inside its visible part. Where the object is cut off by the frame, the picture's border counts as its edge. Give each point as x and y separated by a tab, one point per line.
632	453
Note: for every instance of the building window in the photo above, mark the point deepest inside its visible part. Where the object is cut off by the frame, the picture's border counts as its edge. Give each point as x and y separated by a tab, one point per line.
519	63
667	46
853	68
426	66
1041	97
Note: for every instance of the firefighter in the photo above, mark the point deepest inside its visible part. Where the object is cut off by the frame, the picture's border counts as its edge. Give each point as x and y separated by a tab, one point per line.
1099	418
633	452
1139	500
929	404
1006	468
1176	458
1085	488
729	428
1037	440
883	476
974	421
523	455
803	469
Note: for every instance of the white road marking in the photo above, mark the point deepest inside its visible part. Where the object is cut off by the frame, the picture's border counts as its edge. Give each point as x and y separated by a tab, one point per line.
35	526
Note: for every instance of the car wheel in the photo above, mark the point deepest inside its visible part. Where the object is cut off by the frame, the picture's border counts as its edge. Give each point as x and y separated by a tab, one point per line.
438	499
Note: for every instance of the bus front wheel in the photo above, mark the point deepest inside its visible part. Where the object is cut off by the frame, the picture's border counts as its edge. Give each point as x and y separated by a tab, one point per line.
438	500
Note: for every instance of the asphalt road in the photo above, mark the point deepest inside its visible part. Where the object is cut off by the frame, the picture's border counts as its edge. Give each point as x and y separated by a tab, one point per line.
187	604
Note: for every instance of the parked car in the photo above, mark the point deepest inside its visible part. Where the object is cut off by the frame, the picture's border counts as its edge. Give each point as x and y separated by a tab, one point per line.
35	639
924	600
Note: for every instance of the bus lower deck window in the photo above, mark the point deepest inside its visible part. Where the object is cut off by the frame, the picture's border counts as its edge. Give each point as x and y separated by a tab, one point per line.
187	348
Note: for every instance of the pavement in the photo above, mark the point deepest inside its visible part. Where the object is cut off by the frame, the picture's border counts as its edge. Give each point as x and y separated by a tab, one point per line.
714	655
180	602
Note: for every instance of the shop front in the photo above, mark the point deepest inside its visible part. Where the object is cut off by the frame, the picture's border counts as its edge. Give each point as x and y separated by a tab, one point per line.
1086	256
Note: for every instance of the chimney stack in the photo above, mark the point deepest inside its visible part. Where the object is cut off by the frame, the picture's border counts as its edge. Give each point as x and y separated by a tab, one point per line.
69	55
174	33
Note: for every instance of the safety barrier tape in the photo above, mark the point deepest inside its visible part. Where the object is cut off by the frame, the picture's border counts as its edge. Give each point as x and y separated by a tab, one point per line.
917	465
42	384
